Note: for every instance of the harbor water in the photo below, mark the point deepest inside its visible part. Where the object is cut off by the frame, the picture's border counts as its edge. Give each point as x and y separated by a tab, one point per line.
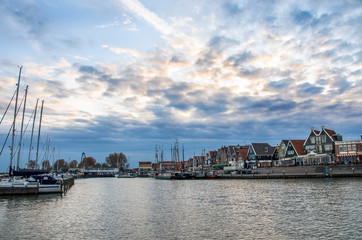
146	208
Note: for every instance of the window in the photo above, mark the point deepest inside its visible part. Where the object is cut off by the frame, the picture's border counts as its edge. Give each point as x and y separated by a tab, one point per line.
354	147
309	147
328	147
349	147
266	149
318	140
291	152
341	148
312	140
320	149
324	138
345	148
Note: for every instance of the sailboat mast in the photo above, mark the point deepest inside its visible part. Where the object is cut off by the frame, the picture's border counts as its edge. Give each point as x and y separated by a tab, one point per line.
37	147
15	113
32	130
22	127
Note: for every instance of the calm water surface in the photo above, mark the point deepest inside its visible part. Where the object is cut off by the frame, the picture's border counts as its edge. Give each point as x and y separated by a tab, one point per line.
114	208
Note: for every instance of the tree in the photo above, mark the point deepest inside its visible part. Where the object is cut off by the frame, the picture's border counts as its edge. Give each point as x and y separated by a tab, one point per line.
117	160
60	165
46	165
73	164
88	162
32	164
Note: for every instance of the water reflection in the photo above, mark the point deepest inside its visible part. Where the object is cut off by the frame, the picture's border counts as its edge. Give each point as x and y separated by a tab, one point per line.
217	209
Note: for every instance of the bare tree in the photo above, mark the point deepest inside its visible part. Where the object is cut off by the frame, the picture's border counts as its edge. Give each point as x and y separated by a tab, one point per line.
118	160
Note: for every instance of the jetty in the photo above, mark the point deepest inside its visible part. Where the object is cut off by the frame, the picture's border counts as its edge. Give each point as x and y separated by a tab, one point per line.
30	189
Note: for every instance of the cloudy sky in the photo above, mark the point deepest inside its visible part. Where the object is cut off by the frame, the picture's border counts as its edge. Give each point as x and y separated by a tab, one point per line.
125	75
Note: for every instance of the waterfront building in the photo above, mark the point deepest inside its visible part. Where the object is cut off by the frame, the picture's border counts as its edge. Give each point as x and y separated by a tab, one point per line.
221	157
261	155
144	168
210	158
282	150
321	141
348	151
294	149
320	147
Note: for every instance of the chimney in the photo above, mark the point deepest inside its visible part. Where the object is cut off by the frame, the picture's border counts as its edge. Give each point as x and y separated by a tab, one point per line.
322	127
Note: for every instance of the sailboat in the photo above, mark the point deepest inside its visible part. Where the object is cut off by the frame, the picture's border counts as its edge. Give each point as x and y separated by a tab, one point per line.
28	172
34	183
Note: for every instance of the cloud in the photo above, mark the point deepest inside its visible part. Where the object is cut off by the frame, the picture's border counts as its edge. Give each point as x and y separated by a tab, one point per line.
307	88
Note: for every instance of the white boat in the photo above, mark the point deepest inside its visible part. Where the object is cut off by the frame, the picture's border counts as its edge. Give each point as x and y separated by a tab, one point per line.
43	184
126	175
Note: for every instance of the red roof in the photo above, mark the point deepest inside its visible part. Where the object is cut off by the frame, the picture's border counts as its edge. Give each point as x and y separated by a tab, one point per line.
298	146
243	153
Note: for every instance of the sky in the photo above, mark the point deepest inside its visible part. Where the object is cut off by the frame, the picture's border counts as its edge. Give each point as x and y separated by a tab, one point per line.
127	75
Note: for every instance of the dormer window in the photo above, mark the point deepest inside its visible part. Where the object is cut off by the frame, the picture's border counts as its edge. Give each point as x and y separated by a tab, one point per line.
266	149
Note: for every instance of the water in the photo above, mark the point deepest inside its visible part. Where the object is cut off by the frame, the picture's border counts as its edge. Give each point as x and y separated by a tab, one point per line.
114	208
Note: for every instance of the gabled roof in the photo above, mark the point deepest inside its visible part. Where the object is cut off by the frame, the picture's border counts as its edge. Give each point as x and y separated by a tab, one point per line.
298	146
243	153
285	142
262	149
331	133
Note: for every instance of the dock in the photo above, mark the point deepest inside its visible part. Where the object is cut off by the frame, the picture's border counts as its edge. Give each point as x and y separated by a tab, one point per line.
65	185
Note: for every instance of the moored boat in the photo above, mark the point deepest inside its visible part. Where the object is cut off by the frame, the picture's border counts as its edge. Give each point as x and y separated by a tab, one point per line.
45	183
126	175
163	176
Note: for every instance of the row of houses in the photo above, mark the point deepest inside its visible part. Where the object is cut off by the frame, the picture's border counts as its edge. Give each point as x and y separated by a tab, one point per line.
323	146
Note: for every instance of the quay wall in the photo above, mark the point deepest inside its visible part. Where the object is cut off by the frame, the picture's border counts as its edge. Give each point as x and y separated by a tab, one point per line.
317	171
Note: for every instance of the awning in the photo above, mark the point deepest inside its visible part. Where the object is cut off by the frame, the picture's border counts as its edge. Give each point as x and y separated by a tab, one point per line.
220	165
348	155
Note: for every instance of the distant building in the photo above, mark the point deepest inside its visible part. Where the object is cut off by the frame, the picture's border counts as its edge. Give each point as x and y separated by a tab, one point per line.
145	166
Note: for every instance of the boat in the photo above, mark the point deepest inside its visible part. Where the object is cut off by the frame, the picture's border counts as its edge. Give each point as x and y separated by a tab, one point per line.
180	175
199	174
45	183
143	174
163	176
35	183
126	175
211	174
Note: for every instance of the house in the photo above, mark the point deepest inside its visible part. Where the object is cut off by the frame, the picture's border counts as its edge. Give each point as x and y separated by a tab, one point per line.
242	156
319	147
261	155
348	151
293	150
321	141
282	149
210	158
222	157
